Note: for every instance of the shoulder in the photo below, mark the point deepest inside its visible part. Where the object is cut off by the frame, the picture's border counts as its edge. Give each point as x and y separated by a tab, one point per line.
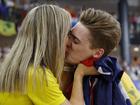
43	87
41	73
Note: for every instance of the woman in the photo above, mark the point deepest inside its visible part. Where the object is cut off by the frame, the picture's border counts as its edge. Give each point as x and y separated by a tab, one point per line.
31	73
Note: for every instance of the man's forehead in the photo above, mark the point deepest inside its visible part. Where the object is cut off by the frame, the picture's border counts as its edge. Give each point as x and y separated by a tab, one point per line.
80	31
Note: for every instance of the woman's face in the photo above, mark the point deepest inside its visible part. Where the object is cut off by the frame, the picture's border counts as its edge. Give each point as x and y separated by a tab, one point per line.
65	42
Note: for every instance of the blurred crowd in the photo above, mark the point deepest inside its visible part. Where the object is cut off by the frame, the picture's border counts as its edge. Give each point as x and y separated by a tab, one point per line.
133	70
12	15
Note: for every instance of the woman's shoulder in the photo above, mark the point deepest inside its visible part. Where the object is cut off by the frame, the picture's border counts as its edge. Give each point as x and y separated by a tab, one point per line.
41	73
43	87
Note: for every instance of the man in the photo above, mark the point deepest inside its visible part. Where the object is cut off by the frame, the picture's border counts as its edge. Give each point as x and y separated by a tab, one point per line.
94	36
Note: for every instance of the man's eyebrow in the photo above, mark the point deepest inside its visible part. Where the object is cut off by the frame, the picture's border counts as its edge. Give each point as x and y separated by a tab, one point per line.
73	35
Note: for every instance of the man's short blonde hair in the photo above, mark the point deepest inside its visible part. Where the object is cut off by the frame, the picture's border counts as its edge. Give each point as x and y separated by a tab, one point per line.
104	28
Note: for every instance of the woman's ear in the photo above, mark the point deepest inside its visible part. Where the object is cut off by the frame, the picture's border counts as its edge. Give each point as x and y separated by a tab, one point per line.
98	53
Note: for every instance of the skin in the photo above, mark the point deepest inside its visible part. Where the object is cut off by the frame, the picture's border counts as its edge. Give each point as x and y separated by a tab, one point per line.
79	47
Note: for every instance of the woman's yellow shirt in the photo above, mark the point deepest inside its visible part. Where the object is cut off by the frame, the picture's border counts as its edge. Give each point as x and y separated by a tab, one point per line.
38	93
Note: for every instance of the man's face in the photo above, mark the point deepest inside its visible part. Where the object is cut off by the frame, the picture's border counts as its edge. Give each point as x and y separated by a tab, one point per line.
78	45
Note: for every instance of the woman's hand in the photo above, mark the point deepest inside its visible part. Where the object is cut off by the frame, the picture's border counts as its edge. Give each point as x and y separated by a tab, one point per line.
83	70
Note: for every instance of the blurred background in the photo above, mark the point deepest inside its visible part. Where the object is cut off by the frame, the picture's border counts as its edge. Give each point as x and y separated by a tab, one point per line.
127	12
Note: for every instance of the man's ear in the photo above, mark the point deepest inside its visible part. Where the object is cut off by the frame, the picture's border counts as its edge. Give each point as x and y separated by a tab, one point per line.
98	53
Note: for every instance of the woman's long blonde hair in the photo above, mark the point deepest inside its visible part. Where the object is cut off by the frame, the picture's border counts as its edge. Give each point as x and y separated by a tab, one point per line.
40	39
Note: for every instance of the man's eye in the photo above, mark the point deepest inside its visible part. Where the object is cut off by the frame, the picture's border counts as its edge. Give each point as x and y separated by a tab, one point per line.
73	38
76	41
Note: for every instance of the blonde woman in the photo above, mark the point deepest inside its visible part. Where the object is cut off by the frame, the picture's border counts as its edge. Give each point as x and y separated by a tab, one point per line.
31	72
